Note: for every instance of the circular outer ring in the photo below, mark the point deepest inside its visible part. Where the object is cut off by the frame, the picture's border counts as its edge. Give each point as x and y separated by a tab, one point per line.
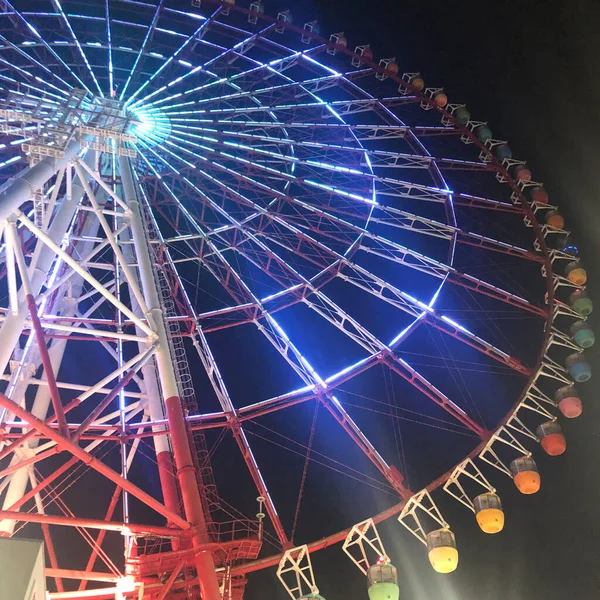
338	537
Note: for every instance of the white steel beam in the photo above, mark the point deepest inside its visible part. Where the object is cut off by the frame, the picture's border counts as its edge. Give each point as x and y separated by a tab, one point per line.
43	257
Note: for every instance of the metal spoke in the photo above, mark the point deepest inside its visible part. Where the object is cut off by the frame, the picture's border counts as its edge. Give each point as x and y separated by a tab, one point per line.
142	49
359	155
61	12
198	32
383	247
111	87
32	30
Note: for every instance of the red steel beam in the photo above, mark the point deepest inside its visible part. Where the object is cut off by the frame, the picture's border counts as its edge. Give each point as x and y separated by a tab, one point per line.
94	462
45	356
101	536
509	361
169	583
55	497
259	482
43	484
424	386
52	556
83	575
32	433
89	523
30	461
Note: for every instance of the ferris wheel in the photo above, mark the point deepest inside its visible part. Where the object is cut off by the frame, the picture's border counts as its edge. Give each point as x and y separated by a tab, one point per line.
243	260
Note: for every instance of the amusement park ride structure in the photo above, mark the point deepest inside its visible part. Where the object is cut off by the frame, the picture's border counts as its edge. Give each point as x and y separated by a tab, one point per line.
289	144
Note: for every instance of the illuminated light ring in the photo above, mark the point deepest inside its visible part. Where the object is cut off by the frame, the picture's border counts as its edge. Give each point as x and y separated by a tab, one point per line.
354	246
158	127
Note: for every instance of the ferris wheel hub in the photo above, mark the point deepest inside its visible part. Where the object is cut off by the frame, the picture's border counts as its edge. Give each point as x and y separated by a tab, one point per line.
150	125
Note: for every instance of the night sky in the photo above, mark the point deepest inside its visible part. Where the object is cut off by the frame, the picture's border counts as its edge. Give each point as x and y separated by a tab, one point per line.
531	70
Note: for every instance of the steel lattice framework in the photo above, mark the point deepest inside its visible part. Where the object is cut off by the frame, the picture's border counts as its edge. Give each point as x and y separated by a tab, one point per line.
188	187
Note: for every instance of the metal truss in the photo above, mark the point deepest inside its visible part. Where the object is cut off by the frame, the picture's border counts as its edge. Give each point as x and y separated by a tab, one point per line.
364	543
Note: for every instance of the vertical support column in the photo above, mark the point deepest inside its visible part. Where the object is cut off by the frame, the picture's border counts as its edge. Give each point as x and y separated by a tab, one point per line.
186	475
164	454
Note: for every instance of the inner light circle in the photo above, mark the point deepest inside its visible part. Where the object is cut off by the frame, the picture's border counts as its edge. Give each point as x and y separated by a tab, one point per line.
150	125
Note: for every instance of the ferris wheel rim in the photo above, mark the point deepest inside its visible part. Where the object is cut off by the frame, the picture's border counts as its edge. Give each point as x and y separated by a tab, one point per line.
544	252
339	536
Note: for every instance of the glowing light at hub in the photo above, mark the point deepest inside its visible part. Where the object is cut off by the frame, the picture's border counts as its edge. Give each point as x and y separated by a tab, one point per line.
150	125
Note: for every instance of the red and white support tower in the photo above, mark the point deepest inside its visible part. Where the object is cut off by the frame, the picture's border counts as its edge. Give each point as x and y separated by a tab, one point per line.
93	221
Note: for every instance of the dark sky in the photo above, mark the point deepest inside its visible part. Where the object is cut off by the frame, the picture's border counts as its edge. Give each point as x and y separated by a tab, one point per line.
532	70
